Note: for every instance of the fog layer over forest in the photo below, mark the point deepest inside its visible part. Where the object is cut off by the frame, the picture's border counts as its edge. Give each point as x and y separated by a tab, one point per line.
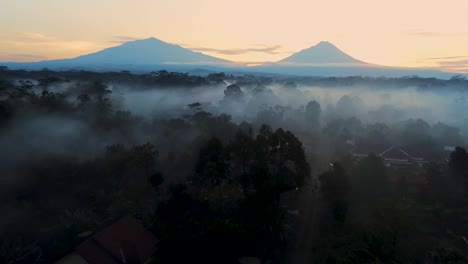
80	150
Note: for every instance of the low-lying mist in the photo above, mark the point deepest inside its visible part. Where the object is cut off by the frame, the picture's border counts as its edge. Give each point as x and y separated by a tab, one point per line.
80	150
369	104
38	134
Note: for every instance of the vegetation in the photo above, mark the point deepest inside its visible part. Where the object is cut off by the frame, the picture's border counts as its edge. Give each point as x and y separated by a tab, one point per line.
216	181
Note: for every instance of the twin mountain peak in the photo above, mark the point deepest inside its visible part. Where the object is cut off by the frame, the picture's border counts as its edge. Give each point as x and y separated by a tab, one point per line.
154	51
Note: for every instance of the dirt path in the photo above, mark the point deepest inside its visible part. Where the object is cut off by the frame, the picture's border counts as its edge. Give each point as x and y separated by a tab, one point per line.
305	229
304	226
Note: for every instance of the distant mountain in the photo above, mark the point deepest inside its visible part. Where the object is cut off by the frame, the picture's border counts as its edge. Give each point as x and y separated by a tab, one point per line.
323	59
149	51
322	53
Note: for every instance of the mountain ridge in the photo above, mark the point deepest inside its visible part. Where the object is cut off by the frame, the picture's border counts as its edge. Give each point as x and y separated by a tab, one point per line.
322	53
144	51
150	54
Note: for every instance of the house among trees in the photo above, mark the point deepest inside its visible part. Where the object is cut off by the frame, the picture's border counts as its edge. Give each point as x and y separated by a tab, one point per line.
401	163
124	242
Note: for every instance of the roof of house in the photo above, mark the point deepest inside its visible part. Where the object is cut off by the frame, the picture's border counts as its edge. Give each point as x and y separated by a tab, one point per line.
411	178
386	152
106	247
369	148
461	244
72	258
395	153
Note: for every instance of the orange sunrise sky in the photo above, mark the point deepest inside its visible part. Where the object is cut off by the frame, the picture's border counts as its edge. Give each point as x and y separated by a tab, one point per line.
405	33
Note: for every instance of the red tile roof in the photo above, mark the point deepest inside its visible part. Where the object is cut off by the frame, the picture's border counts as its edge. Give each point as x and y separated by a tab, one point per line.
93	253
105	247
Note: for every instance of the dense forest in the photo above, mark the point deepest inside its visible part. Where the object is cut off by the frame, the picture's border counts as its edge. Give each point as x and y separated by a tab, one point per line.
221	167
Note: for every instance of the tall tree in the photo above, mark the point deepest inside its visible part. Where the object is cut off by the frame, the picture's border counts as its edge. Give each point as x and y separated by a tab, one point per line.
233	93
370	178
458	164
335	187
144	156
312	115
212	166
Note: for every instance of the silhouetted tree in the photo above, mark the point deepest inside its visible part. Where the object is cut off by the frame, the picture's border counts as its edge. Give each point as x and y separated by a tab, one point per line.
282	153
350	106
439	183
458	164
335	187
241	149
156	180
144	156
370	178
212	166
312	115
234	93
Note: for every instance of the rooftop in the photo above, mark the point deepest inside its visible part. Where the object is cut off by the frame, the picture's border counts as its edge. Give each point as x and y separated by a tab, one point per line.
124	240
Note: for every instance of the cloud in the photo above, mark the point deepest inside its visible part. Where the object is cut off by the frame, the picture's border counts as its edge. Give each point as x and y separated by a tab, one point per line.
422	34
22	57
276	49
29	56
34	46
34	36
455	64
252	63
463	62
447	58
432	34
34	39
452	64
122	39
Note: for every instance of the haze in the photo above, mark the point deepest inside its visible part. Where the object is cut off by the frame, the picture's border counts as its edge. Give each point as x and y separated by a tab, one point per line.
241	132
394	33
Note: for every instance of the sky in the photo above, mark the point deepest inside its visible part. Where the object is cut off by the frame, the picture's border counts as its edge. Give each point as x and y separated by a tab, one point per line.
416	33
